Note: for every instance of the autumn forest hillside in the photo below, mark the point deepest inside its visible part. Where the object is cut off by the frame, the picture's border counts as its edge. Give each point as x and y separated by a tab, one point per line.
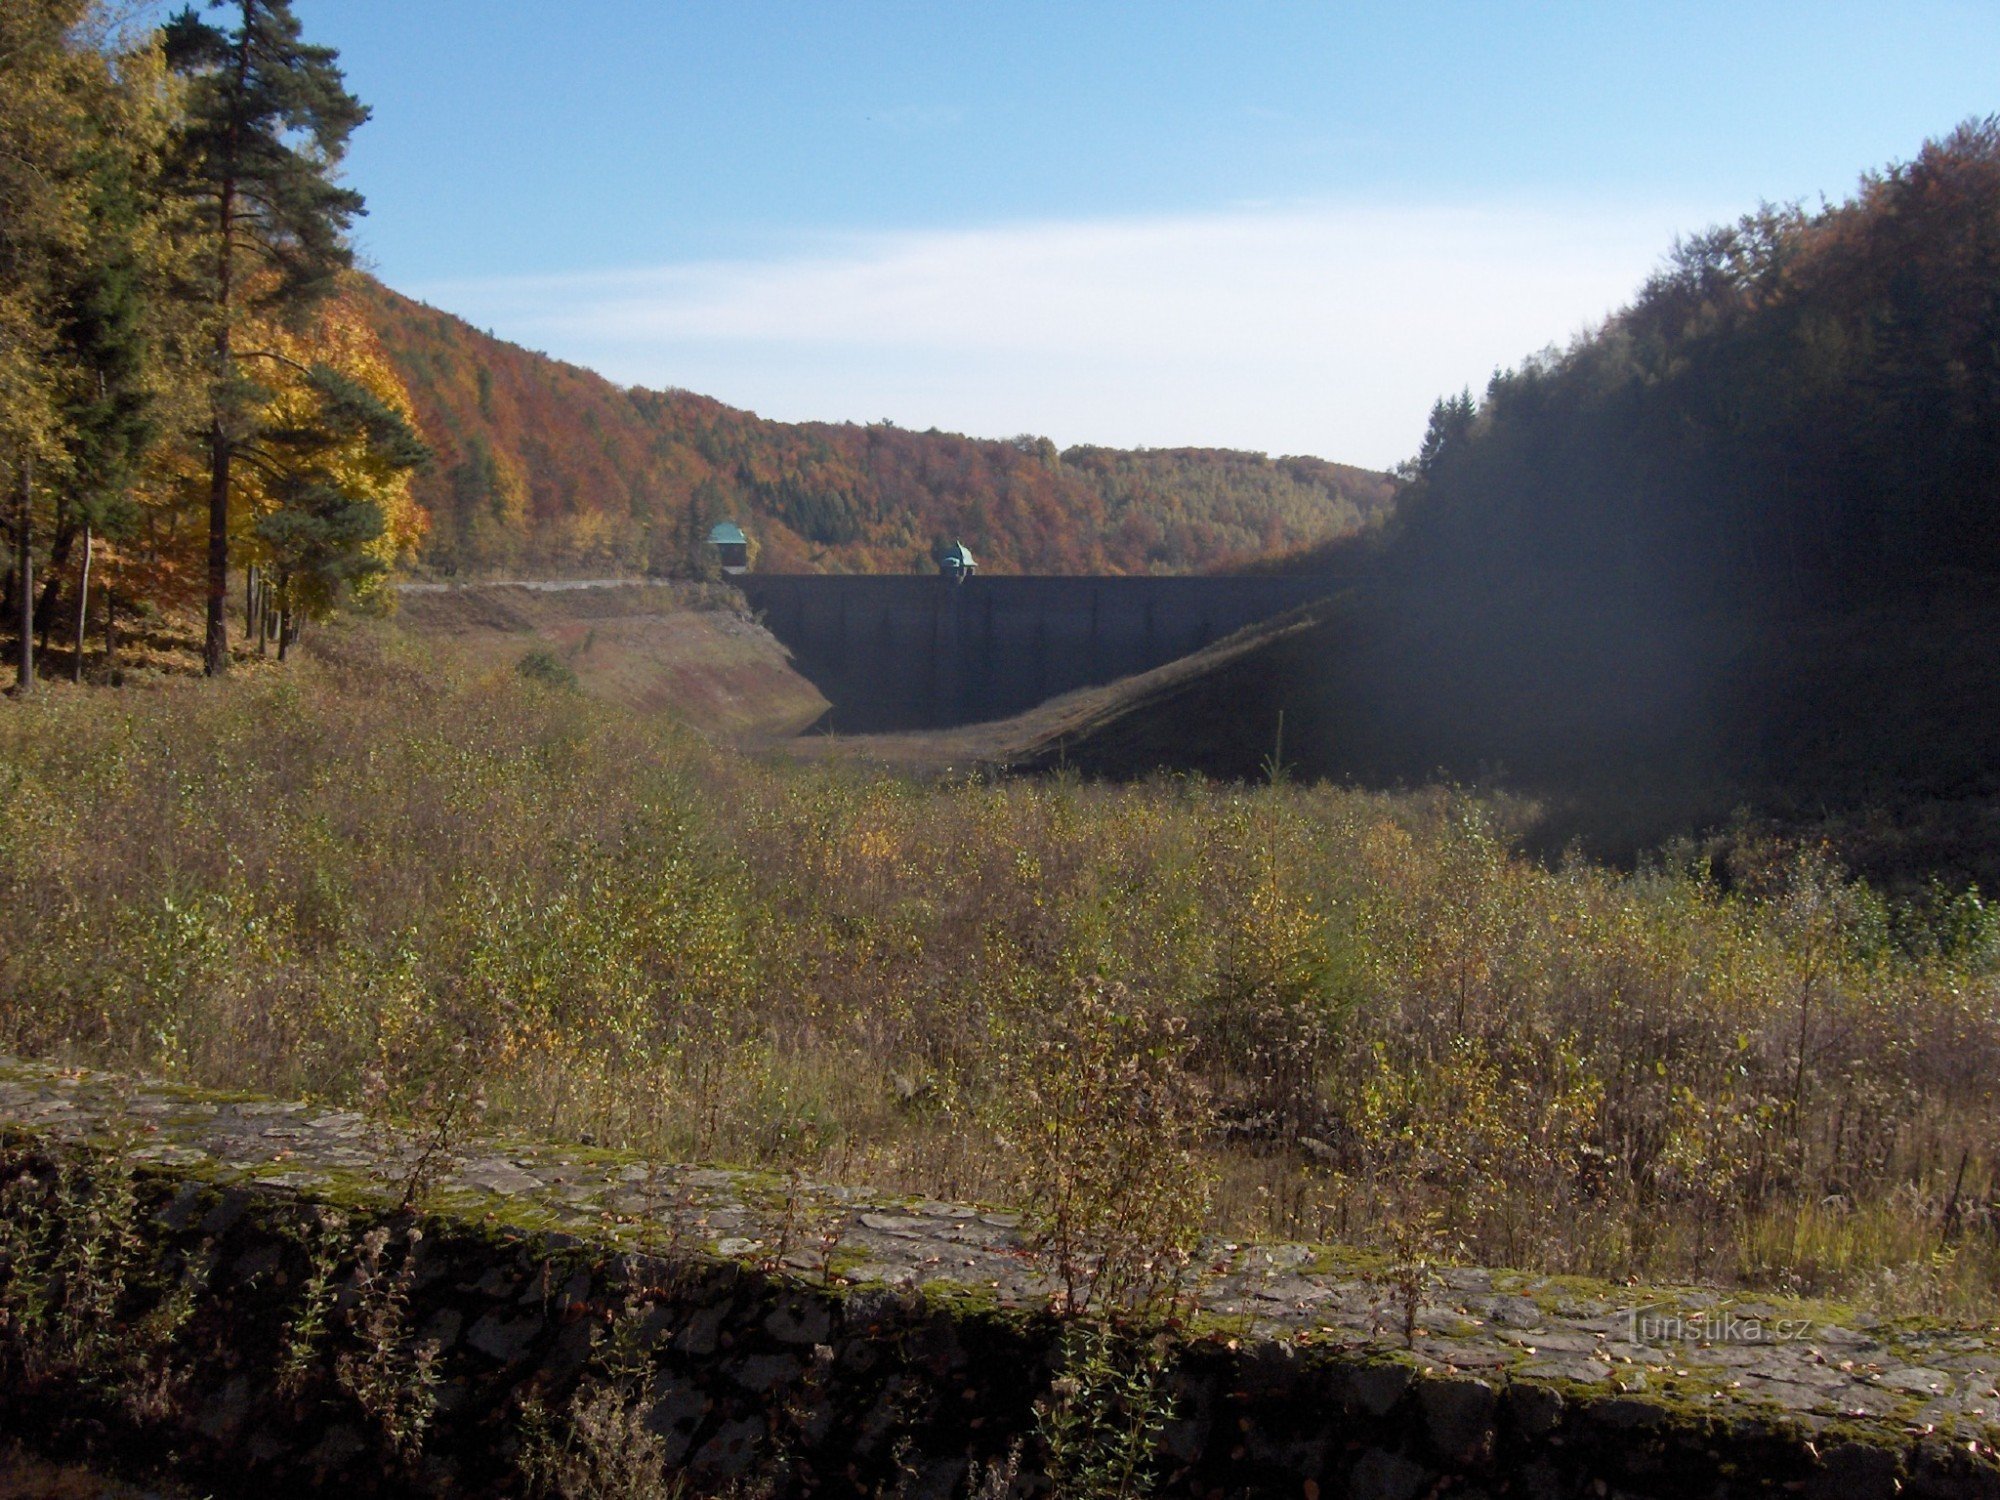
1735	551
544	466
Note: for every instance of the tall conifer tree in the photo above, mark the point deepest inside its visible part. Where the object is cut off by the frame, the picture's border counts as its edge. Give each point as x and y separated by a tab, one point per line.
86	252
40	229
268	121
129	337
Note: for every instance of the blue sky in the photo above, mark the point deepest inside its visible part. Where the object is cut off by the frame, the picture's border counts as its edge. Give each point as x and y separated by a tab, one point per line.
1275	226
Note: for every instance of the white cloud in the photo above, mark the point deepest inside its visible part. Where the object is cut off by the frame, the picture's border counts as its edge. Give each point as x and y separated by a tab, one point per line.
1321	330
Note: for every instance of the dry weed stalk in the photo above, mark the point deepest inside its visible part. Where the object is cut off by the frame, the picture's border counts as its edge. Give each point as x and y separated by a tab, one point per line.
84	1298
1105	1126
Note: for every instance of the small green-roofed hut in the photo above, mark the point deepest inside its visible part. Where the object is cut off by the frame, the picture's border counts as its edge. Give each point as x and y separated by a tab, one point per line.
732	547
957	562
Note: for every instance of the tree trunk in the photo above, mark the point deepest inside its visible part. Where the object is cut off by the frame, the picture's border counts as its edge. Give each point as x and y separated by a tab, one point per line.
111	635
82	606
215	648
62	542
25	670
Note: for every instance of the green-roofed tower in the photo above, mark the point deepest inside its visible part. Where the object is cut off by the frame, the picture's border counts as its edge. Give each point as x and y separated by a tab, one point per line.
957	562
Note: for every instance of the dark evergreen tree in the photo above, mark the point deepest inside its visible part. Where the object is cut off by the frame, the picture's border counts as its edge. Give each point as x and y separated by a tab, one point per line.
88	254
268	122
117	326
317	539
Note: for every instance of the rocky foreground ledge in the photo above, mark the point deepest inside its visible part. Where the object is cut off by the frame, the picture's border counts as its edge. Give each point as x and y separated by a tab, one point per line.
265	1313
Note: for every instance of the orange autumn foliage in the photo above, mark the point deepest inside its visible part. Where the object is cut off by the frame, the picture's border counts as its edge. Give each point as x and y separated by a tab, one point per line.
545	466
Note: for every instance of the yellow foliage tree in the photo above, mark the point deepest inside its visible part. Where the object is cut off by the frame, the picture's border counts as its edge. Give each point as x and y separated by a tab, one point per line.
324	509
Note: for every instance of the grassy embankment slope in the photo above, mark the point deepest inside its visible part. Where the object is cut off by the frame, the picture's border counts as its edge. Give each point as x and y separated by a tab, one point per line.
687	650
1873	728
544	467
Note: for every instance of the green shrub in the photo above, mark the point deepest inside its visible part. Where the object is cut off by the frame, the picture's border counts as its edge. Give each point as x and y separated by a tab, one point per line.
544	666
83	1300
1106	1128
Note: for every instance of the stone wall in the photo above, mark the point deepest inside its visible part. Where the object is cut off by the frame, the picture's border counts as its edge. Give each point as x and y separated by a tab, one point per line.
788	1338
907	652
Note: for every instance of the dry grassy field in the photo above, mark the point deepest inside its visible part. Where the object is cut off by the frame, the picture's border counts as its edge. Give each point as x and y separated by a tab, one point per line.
413	878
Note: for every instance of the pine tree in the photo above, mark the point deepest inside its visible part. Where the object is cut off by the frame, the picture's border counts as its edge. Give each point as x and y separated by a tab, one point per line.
334	455
268	122
129	338
85	254
40	227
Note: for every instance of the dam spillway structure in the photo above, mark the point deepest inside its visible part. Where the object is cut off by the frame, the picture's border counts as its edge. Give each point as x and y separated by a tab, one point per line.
930	651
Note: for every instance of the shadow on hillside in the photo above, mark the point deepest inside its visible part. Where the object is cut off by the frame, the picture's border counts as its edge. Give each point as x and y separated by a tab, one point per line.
1873	729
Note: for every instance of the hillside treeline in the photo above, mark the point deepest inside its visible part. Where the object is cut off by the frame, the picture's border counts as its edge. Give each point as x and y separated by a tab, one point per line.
1800	406
1726	561
183	400
1736	549
543	465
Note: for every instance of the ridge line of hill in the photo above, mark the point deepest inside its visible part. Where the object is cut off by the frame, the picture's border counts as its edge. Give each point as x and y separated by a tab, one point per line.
542	464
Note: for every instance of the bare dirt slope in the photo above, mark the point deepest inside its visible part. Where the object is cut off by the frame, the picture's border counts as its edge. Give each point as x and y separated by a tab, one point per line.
685	649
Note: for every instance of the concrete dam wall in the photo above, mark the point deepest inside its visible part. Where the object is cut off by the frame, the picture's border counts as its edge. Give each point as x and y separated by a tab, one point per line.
922	652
